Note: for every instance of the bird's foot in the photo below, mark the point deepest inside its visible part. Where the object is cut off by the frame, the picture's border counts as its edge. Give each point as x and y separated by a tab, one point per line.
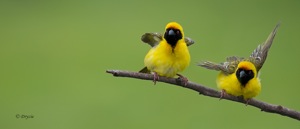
183	79
247	101
223	92
155	77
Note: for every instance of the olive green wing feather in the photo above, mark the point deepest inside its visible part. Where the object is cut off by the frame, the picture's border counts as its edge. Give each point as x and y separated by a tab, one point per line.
189	41
227	67
211	65
259	55
153	39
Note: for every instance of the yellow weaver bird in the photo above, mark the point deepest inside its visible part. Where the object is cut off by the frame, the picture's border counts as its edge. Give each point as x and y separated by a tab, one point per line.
239	76
169	53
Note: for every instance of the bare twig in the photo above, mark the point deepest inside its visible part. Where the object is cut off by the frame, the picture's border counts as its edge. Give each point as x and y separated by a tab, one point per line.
263	106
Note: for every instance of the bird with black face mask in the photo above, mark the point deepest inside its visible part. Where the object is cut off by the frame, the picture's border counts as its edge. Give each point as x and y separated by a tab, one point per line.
169	56
239	76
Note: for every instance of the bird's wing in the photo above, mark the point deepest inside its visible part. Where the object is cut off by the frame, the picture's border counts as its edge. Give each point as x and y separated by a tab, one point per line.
232	63
259	55
211	65
188	41
154	38
228	67
151	38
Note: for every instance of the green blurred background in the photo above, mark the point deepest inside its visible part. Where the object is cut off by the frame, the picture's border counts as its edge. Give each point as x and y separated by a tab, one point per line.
54	55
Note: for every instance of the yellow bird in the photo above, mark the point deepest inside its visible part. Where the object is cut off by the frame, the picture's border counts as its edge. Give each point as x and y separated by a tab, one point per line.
170	55
239	76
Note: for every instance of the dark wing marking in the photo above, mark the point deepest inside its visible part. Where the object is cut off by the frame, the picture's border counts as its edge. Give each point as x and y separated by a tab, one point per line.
259	55
144	70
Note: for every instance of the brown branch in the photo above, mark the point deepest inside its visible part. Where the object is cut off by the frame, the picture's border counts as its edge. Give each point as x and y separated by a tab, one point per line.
263	106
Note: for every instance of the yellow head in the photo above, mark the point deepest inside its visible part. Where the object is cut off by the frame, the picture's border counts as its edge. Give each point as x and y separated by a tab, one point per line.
245	72
173	33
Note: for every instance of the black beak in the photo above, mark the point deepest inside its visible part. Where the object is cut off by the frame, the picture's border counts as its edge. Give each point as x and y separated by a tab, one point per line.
242	74
171	33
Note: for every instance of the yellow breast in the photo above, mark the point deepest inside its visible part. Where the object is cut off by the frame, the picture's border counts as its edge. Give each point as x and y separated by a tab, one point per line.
168	61
252	89
230	84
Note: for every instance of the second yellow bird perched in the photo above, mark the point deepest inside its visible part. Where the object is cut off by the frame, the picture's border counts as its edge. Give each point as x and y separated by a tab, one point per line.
170	55
239	76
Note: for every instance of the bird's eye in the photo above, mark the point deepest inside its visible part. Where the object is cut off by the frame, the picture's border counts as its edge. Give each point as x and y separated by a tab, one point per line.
250	72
